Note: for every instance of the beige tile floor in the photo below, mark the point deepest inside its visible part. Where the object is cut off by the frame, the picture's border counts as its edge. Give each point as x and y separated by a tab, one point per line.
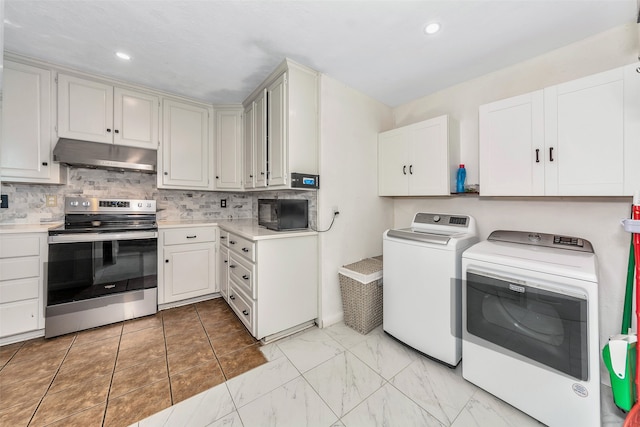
118	374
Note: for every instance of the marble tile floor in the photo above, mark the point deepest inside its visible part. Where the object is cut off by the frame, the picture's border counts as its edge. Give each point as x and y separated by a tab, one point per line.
337	377
121	373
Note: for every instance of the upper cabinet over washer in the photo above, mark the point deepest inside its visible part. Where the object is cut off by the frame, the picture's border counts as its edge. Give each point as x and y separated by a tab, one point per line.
578	138
283	127
98	112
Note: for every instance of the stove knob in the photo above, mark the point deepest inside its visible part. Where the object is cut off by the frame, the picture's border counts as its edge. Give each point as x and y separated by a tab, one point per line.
74	203
86	204
139	205
148	205
436	218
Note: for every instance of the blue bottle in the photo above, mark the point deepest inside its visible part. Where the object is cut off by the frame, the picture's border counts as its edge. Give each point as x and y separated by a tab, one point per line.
462	175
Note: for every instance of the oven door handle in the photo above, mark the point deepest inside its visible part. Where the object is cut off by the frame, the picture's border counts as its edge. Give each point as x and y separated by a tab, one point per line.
101	237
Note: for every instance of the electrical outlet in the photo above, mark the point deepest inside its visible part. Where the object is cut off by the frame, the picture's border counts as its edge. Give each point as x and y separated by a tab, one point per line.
52	200
223	203
4	201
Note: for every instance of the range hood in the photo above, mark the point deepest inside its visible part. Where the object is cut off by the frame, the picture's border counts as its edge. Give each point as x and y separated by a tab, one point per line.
86	154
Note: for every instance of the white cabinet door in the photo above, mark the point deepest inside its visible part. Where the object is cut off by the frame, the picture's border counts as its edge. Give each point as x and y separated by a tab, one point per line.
223	271
429	157
584	128
393	170
228	124
185	146
414	160
260	140
135	119
189	271
277	131
25	149
85	109
249	147
512	158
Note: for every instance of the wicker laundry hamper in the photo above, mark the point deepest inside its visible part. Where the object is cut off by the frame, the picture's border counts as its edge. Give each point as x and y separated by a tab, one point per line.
361	289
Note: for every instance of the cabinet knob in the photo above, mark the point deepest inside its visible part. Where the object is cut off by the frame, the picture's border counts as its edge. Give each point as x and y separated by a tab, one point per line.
245	277
217	177
166	173
233	297
166	261
45	164
245	312
232	242
245	250
108	130
250	176
232	266
226	262
116	131
223	237
261	173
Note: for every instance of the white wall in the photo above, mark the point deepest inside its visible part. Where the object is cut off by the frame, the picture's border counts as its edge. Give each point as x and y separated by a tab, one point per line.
349	123
596	219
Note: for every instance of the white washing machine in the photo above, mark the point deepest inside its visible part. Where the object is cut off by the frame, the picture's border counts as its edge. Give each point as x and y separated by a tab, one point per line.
422	286
530	316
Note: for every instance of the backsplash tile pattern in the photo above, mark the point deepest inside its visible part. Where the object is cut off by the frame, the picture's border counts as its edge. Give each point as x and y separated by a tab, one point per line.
27	202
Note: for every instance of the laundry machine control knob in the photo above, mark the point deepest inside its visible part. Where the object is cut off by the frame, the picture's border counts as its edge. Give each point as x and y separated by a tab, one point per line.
436	218
534	237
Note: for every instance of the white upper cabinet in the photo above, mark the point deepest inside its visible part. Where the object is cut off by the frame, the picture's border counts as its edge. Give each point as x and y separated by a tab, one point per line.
248	146
415	160
98	112
578	138
183	158
284	126
27	134
228	128
511	151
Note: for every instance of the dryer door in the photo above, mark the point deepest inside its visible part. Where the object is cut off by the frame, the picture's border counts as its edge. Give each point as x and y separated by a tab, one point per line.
542	324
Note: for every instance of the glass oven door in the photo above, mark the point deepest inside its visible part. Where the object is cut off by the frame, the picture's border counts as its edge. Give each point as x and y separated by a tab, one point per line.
89	265
537	322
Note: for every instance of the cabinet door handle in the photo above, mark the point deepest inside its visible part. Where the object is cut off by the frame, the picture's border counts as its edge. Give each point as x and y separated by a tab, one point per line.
537	155
45	164
261	173
245	312
226	262
232	242
404	169
410	169
245	250
250	176
245	277
551	154
233	297
223	237
108	130
116	131
192	237
232	266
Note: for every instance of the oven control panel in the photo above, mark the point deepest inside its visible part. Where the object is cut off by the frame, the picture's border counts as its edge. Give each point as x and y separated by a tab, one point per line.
95	205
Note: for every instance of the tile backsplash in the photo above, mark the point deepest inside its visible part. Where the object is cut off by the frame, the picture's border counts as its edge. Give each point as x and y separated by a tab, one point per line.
27	202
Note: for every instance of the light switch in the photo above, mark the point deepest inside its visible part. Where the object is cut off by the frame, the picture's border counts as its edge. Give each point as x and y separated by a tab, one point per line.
52	200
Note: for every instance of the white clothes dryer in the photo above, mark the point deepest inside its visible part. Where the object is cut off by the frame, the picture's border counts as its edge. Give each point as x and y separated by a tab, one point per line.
422	298
530	316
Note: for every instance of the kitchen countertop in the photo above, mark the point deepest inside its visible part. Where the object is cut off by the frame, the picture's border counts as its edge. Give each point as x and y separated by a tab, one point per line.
7	228
247	228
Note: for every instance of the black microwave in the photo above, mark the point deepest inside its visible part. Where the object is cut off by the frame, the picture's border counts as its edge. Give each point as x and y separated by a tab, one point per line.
283	214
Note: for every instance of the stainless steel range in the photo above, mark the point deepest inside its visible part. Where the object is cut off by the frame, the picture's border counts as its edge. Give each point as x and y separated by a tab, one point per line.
102	264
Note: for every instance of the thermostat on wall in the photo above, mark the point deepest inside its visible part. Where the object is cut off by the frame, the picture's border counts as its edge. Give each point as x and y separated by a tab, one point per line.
301	180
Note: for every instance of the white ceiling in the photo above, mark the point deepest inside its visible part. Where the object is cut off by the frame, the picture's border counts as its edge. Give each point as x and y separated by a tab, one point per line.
220	50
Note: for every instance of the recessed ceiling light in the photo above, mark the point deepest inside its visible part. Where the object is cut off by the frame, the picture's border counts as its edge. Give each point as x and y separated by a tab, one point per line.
123	55
432	28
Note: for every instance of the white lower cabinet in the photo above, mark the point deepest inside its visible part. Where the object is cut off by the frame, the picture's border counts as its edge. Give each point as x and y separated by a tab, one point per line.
22	260
273	282
187	263
223	270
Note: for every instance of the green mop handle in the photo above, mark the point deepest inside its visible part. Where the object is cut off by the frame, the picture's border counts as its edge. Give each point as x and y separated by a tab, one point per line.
628	296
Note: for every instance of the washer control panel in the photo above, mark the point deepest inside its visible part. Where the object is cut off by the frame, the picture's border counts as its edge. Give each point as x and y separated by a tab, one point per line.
542	239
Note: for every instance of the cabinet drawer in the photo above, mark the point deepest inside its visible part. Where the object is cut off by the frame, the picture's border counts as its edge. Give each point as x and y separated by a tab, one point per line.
224	238
19	246
243	273
243	306
18	317
181	236
17	290
19	268
242	246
